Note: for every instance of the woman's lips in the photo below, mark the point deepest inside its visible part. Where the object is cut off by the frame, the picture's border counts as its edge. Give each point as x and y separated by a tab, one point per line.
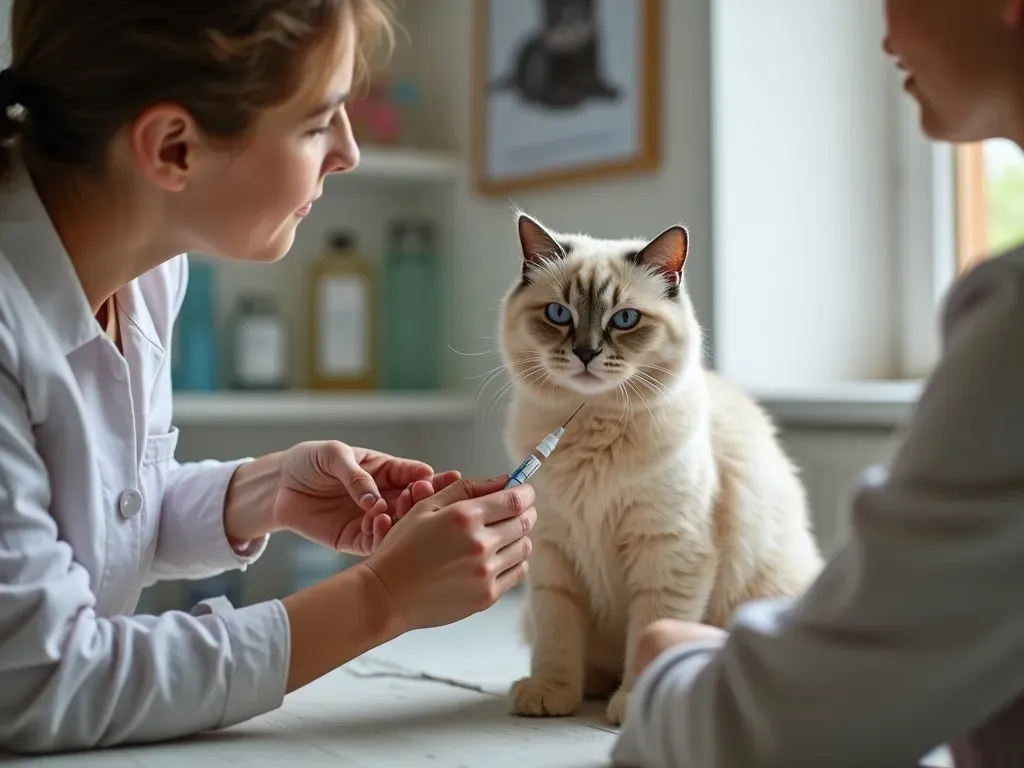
304	210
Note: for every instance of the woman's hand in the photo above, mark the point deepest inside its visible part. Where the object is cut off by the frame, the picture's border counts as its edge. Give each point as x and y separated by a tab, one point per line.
668	633
456	551
332	493
345	497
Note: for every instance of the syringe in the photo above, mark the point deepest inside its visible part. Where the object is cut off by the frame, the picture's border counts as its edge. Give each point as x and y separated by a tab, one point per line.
532	463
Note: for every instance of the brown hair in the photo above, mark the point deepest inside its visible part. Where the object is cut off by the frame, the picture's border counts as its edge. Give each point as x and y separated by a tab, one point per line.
80	71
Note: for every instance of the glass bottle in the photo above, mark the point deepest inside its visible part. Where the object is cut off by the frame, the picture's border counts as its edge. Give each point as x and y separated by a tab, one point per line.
343	318
259	344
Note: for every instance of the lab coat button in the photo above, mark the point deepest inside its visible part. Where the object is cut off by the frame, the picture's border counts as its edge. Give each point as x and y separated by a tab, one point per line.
130	503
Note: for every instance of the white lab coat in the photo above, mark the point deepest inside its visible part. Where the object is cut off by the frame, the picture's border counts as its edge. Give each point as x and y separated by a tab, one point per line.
94	506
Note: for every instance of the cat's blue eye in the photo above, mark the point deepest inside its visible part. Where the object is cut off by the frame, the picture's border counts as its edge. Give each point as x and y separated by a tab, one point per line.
558	314
625	319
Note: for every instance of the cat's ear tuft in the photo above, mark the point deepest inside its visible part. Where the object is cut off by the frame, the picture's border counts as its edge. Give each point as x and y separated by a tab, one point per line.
666	253
539	247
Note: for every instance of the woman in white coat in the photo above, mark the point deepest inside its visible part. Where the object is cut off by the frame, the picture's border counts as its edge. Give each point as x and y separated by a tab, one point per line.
914	633
134	131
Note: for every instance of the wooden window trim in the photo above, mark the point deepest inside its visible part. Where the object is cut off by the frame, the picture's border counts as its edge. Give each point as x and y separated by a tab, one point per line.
972	244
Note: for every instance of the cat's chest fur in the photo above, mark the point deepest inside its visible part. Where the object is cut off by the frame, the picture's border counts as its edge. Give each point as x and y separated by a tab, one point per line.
610	478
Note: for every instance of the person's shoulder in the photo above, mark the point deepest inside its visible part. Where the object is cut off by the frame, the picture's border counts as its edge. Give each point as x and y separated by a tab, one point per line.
989	298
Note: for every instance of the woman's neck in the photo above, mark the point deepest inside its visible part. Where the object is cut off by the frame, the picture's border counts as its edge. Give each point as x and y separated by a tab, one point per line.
105	233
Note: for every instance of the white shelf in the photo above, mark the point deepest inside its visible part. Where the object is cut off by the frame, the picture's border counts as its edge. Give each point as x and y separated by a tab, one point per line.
868	404
406	163
304	407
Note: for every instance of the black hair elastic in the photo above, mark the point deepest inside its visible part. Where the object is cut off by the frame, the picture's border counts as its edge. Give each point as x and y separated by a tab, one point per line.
8	88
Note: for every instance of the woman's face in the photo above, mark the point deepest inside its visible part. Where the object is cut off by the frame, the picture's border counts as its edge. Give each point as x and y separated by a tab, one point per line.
963	63
247	202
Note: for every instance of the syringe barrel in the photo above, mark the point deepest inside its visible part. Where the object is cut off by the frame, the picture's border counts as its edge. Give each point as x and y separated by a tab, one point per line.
524	471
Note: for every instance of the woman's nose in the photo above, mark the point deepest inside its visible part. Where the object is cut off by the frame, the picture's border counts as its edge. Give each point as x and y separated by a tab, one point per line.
345	153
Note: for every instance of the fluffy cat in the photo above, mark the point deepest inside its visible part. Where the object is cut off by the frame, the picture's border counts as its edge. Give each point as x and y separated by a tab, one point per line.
669	495
558	67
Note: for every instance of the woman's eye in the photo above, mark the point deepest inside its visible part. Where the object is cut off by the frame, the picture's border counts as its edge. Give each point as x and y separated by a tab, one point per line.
558	314
625	319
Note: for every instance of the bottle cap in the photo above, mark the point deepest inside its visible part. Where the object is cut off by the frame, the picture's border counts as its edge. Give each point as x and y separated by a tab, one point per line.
342	240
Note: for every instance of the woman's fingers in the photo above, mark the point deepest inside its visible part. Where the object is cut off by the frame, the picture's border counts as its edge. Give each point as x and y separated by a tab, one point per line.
381	526
509	531
513	576
506	503
512	554
338	460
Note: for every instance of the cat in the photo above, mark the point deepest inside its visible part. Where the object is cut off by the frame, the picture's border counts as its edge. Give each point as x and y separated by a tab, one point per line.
669	495
558	67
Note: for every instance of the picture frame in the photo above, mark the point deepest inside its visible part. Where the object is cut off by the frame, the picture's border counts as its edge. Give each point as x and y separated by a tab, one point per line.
564	91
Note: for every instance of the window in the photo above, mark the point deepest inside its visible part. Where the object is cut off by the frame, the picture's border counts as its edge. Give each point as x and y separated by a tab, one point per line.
959	206
989	200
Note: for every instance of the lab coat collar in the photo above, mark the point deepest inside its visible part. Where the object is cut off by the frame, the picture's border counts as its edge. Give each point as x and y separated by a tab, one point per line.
31	244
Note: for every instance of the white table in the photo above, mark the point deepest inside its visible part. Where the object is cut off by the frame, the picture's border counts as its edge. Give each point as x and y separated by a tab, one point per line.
433	698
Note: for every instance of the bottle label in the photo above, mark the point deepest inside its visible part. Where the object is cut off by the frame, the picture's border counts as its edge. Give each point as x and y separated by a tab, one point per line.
260	358
342	343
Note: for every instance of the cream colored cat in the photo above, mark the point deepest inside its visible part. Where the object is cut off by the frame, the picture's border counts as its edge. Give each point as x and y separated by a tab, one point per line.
668	496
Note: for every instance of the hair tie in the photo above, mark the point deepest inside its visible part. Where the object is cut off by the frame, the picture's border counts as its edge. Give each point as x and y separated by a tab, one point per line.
8	88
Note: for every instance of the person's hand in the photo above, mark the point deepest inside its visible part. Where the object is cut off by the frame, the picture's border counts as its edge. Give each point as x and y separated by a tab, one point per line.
668	633
346	497
456	551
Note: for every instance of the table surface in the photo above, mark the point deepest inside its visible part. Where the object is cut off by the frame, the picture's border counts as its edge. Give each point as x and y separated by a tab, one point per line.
432	698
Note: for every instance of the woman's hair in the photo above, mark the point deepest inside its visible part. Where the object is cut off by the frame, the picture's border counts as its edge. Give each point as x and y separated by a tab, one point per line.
83	69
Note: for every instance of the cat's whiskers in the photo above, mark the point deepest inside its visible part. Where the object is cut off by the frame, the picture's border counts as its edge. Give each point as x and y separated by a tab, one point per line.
632	385
496	399
653	384
491	376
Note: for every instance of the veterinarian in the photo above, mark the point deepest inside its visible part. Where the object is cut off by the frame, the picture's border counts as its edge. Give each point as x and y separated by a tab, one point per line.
148	129
913	635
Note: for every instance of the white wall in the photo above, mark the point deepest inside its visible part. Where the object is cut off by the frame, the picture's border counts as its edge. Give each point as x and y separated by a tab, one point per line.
804	193
643	205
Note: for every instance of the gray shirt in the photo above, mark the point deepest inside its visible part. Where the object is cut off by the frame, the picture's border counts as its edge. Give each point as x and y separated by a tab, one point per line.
914	632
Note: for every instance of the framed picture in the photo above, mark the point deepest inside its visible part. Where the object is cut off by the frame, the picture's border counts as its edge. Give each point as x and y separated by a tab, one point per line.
565	90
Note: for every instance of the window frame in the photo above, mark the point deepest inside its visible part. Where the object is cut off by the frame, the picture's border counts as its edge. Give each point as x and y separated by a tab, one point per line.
932	233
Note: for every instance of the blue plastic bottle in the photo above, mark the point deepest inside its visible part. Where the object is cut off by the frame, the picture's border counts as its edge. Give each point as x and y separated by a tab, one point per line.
196	350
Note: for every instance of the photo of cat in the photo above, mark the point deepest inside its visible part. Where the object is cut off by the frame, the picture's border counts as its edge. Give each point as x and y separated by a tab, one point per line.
564	90
671	495
558	66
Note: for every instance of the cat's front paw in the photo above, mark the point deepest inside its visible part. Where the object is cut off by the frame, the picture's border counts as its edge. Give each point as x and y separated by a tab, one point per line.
617	707
535	697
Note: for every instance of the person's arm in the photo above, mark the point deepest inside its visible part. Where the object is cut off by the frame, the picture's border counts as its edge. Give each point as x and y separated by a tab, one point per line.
914	631
214	516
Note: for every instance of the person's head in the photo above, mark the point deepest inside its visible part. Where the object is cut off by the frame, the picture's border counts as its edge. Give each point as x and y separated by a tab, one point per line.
965	65
219	119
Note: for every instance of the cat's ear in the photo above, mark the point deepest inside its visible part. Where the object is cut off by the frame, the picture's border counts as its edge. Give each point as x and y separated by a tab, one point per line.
539	246
666	253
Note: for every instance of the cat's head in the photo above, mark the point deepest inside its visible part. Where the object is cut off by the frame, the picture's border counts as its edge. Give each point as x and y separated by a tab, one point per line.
569	24
602	319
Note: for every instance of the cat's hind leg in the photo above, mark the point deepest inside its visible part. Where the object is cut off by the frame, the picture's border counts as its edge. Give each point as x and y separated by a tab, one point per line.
559	619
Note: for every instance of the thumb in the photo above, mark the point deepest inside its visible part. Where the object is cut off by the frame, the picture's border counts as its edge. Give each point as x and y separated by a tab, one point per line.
463	489
340	463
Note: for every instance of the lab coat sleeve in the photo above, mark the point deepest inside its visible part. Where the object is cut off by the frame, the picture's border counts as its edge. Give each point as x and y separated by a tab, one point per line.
192	542
914	631
70	679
